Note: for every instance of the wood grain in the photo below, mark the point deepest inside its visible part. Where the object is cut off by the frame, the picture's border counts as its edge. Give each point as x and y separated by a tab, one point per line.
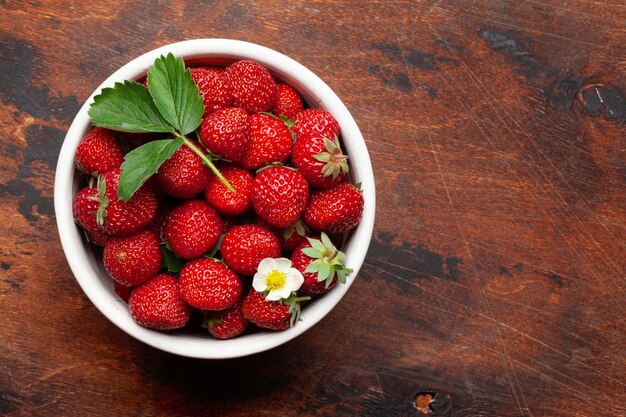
494	285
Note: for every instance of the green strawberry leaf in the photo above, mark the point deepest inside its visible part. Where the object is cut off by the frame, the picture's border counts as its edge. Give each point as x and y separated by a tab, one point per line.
170	261
175	93
127	107
141	163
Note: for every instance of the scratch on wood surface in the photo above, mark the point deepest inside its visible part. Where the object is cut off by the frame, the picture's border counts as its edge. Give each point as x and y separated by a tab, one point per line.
62	369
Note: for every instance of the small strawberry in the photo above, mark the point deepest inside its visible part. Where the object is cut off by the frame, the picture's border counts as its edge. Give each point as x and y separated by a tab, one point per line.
226	133
334	210
158	305
98	152
228	323
183	175
272	315
158	224
243	247
192	229
289	237
253	87
321	264
320	160
214	88
132	260
315	121
225	201
208	284
120	218
85	208
279	195
122	291
289	102
270	141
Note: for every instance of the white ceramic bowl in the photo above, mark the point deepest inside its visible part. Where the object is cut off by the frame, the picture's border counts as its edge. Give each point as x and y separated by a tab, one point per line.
88	269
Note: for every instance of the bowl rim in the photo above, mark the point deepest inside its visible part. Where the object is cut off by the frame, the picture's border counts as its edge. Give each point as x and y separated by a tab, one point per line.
76	250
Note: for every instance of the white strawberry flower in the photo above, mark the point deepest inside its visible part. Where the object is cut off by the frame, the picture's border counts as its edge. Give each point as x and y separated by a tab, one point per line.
277	278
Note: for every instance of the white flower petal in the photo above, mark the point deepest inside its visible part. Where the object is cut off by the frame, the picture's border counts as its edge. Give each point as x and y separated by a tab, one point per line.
294	279
283	265
274	295
284	292
266	265
258	282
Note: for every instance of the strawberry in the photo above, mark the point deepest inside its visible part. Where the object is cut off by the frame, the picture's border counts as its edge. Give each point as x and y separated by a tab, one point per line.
158	305
270	141
85	208
122	291
132	260
192	229
158	224
98	152
253	87
334	210
320	263
243	247
214	88
273	315
289	237
226	133
183	175
315	121
226	202
320	160
117	217
228	323
209	285
288	103
279	195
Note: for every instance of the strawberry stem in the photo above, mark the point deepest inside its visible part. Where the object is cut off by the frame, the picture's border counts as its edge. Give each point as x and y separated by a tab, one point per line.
206	160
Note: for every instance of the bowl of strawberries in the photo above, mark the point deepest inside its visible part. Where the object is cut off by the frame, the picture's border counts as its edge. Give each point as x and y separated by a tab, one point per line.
214	198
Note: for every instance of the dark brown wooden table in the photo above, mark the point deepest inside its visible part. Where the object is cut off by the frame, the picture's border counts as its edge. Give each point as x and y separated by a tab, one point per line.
494	285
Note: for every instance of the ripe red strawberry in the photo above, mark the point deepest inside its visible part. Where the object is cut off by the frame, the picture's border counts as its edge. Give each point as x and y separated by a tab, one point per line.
117	217
315	121
226	202
253	87
192	229
98	152
243	247
183	175
132	260
158	305
228	323
334	210
226	133
289	102
209	285
85	208
214	88
122	291
271	315
289	237
320	263
320	160
279	195
270	141
158	224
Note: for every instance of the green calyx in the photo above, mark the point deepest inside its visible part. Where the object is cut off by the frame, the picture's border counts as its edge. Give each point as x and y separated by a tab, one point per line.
297	227
294	307
328	261
334	159
102	199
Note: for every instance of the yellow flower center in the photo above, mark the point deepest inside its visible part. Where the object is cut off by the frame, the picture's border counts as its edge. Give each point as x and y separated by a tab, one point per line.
275	280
